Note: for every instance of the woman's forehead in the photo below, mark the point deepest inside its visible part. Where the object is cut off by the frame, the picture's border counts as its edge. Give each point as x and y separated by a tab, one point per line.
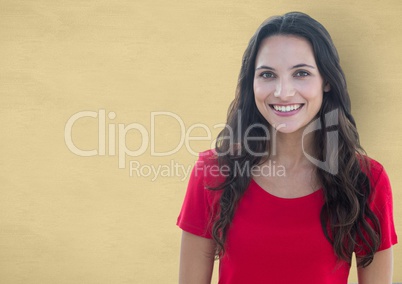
284	49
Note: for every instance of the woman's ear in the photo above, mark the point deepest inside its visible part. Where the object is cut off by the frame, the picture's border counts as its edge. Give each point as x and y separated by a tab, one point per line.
327	87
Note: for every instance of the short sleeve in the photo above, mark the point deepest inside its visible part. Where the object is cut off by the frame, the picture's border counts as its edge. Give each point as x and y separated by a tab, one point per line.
381	204
199	205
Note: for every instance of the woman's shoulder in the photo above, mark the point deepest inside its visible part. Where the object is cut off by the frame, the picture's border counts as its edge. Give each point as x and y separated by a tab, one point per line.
207	158
380	183
209	154
373	168
208	165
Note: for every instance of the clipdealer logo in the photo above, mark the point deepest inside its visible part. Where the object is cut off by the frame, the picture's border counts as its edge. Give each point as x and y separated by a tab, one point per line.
330	164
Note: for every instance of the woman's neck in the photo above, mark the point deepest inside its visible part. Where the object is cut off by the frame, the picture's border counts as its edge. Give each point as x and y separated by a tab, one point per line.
288	149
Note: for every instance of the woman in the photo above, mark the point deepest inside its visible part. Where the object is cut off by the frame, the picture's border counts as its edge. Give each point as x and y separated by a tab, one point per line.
288	195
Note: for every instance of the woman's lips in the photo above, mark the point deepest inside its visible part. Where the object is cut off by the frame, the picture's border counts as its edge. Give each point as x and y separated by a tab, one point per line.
286	110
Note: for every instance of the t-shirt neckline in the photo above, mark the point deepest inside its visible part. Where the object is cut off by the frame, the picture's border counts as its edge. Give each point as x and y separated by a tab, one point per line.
260	188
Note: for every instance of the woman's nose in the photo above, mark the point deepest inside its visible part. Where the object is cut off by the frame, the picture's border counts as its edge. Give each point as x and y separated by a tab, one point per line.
284	90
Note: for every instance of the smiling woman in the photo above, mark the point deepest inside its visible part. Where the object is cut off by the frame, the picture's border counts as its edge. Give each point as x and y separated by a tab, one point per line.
287	93
304	226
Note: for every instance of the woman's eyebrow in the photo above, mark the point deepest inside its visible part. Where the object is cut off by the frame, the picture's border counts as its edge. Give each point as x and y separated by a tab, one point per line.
302	65
296	66
265	67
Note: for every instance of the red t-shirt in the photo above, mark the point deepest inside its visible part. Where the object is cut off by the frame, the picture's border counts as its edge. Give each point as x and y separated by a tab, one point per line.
273	239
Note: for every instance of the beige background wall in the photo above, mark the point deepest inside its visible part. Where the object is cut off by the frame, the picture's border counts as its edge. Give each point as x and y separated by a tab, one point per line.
65	218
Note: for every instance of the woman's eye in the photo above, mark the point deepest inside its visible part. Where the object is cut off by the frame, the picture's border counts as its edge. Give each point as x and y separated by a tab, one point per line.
301	74
267	75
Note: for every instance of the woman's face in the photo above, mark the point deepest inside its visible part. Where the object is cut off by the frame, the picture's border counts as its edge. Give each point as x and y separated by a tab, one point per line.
288	87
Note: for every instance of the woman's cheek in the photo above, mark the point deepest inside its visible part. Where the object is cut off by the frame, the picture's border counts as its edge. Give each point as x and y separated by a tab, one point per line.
262	91
309	88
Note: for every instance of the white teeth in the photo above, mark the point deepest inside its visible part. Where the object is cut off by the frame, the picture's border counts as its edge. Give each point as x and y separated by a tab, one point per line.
286	108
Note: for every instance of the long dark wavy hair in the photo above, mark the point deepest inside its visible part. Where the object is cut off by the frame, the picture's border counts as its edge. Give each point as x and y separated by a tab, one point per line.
346	218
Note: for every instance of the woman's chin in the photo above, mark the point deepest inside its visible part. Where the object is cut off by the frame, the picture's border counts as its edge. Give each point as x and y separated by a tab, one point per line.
287	128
